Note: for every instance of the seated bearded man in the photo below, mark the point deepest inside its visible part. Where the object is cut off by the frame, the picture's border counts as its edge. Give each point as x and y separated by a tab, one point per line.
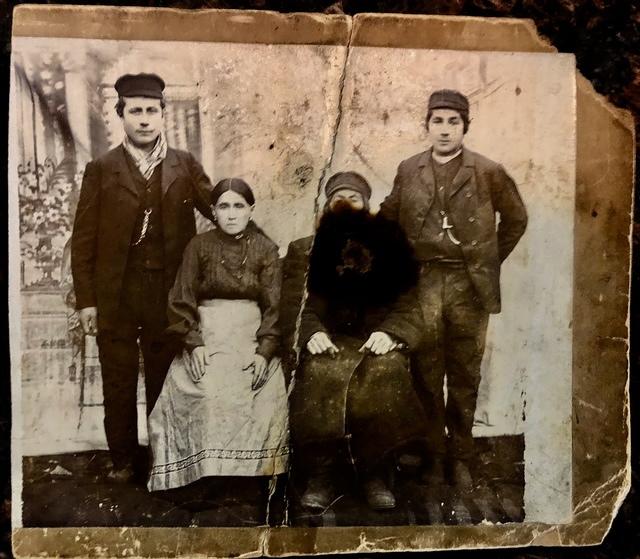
353	393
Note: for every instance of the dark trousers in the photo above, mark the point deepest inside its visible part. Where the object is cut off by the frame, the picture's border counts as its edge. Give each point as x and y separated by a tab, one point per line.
371	399
456	327
142	317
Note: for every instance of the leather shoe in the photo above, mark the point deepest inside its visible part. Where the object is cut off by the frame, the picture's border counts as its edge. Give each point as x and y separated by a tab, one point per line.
378	495
318	495
461	476
121	475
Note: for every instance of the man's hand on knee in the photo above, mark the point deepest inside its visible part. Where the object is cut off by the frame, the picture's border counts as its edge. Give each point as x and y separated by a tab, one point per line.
89	320
319	343
379	343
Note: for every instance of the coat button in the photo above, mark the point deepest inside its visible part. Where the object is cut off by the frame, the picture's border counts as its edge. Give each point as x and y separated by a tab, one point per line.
474	242
468	194
472	219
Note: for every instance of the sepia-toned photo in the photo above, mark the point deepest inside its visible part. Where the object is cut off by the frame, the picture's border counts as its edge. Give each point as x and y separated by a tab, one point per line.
174	291
295	285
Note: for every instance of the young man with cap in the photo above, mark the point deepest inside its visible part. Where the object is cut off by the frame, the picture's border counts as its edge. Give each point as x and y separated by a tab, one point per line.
353	393
133	221
446	199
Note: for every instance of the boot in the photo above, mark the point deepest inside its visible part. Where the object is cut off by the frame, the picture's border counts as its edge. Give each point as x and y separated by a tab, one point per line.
319	460
319	493
377	494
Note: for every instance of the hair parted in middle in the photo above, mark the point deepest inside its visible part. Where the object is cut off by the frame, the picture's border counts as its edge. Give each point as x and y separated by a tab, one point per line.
235	185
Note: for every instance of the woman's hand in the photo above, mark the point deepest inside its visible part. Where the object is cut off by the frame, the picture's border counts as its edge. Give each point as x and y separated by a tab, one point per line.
196	362
321	343
379	343
260	368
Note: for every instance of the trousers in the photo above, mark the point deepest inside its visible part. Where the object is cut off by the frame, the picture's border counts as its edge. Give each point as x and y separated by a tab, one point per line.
369	399
142	320
451	352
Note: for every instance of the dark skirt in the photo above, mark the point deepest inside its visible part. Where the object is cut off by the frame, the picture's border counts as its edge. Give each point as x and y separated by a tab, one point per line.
371	398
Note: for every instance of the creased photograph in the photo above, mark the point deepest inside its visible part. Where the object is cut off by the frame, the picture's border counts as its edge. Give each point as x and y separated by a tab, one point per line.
263	285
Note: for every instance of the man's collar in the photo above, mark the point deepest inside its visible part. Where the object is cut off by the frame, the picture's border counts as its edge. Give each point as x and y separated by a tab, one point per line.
445	159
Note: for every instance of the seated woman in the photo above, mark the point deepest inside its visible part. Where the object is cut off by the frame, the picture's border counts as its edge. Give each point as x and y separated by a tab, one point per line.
353	388
223	407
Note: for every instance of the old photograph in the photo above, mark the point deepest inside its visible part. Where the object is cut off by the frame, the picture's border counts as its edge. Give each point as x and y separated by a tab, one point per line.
292	285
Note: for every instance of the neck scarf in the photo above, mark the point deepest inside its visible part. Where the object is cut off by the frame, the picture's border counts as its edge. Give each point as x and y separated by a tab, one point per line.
146	162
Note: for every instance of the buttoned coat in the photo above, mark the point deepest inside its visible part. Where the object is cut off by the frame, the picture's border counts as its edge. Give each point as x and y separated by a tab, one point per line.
399	316
480	190
104	224
361	279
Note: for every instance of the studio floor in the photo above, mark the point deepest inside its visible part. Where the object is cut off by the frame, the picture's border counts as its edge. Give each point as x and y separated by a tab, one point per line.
73	490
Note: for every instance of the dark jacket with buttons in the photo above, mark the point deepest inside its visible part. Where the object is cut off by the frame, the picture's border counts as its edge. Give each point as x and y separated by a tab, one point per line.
106	217
480	189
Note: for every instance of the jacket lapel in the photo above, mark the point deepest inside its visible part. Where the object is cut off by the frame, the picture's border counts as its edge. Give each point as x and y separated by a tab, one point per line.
125	179
424	196
464	173
169	170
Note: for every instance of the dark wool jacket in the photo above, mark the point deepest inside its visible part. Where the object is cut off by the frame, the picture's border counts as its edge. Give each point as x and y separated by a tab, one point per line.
106	216
361	277
480	190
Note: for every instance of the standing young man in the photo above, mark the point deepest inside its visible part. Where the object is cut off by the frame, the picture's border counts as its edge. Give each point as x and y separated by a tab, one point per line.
446	199
133	221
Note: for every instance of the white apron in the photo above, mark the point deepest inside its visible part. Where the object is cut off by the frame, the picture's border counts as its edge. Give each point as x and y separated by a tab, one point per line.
219	426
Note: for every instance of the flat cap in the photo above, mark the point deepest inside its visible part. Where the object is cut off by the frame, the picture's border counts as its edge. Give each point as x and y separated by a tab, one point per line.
140	85
449	99
350	180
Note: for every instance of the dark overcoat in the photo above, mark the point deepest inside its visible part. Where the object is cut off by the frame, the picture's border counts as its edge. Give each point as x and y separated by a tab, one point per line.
361	274
107	210
360	280
399	317
480	189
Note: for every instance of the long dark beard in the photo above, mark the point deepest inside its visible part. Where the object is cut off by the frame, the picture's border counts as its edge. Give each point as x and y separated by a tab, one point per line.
360	258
